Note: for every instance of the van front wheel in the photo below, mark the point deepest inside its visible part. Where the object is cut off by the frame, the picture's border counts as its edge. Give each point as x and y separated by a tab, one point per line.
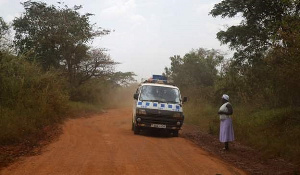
175	133
136	129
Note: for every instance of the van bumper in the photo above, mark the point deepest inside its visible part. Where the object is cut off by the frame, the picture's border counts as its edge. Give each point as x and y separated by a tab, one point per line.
160	123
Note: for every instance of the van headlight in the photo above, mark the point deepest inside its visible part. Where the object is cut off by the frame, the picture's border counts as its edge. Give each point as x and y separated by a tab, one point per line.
141	112
177	115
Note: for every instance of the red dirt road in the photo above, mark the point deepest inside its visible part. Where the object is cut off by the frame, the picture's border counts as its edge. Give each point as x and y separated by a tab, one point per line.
105	144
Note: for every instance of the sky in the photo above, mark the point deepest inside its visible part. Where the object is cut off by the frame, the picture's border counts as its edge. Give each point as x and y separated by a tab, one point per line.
146	33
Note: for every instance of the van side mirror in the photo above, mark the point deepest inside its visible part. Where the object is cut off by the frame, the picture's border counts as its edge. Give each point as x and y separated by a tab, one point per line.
135	96
185	99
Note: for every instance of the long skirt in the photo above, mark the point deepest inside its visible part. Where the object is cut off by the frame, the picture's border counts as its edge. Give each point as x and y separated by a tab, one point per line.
226	130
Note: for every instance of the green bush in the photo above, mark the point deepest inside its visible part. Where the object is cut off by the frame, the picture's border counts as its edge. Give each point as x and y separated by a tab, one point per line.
30	98
200	114
91	92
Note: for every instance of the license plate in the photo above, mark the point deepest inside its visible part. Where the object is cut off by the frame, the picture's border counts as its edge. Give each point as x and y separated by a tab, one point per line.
158	126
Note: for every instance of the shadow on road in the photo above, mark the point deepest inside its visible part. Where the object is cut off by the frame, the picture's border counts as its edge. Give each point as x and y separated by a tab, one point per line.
156	133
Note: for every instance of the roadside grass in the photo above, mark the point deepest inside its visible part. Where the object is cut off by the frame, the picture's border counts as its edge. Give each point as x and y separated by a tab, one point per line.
77	109
21	124
202	115
273	132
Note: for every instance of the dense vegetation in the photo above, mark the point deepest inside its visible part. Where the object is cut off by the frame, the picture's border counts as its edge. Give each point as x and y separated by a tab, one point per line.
49	70
262	78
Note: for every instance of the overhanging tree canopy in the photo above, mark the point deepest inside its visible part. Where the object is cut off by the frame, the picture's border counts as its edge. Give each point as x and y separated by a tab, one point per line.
262	20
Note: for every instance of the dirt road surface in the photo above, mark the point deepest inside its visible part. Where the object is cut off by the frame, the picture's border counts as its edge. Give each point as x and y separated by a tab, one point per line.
105	144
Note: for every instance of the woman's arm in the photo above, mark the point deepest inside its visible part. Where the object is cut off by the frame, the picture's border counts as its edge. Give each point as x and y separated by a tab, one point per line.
229	110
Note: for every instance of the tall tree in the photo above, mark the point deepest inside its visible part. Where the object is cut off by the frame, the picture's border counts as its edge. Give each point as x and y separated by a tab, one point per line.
196	70
57	36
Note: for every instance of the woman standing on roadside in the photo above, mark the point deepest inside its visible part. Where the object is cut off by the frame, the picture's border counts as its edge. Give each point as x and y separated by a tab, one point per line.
226	128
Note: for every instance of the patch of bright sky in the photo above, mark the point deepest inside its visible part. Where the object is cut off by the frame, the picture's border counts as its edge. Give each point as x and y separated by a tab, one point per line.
146	32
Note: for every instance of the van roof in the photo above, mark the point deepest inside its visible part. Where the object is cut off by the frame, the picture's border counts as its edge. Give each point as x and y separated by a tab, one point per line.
161	85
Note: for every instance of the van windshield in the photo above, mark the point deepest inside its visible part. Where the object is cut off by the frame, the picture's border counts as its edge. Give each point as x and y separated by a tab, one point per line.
160	94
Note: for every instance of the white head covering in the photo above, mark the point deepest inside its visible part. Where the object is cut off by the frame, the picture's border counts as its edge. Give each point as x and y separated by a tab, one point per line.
225	97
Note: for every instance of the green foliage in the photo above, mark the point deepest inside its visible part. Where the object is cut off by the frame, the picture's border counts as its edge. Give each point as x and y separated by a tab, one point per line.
51	32
122	79
30	98
260	25
91	92
58	37
266	43
99	91
196	70
96	65
284	63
